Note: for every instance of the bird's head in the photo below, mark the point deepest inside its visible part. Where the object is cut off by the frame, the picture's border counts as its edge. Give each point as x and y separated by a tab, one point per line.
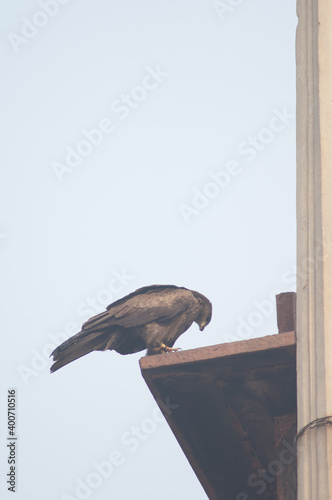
202	324
205	314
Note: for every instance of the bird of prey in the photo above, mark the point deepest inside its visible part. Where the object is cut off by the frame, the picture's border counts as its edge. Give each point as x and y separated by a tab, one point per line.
152	318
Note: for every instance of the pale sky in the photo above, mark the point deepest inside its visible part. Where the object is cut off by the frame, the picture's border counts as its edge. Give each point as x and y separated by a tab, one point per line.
148	142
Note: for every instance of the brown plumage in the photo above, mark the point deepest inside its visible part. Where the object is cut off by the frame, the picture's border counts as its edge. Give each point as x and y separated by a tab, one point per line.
152	318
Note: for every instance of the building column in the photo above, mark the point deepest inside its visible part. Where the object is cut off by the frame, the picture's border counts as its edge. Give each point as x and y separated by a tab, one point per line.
314	254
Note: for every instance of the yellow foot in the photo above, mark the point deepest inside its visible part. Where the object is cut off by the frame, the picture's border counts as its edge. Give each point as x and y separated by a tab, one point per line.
160	349
165	348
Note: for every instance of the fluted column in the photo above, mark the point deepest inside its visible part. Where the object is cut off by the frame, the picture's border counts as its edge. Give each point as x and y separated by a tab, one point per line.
314	238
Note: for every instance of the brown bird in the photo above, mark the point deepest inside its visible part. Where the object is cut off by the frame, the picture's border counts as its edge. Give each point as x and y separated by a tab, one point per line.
152	318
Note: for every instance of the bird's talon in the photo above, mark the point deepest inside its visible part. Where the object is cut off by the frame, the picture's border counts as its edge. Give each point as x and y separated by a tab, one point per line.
170	349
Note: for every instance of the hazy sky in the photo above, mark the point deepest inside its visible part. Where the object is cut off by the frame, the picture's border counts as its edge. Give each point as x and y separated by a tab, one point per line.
144	142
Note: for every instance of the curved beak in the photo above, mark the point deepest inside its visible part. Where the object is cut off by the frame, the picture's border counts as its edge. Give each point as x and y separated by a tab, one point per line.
202	326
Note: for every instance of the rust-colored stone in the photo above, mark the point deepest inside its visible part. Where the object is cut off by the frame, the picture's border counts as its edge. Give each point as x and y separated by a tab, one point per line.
221	402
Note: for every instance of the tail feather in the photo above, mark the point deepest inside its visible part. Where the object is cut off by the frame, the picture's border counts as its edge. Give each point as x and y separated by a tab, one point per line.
69	355
80	345
91	329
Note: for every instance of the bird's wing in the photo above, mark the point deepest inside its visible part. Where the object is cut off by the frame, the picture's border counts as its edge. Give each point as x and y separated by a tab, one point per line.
143	308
